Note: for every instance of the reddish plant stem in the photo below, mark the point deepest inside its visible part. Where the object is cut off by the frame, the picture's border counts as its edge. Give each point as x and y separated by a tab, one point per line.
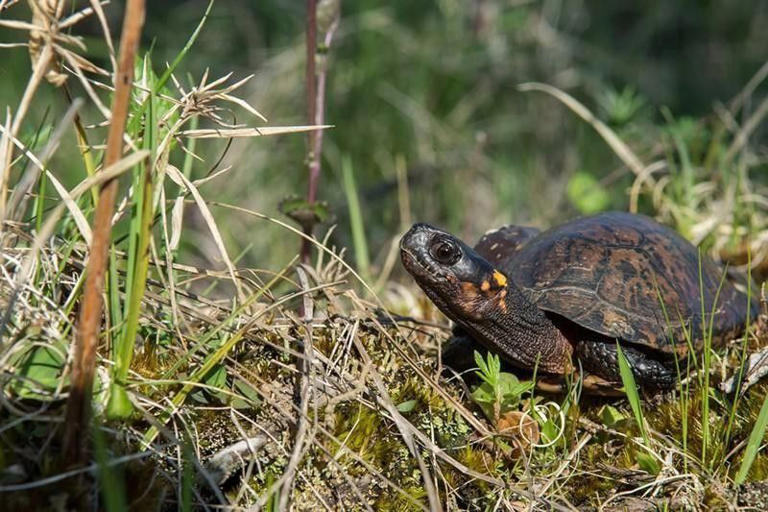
313	158
316	80
75	449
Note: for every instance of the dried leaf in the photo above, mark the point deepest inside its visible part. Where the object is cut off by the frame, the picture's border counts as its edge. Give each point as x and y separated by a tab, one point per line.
177	216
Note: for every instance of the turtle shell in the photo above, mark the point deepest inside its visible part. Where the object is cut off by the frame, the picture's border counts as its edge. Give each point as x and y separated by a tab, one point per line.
610	273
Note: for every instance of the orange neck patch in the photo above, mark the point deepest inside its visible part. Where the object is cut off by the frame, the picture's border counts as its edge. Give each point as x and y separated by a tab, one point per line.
500	278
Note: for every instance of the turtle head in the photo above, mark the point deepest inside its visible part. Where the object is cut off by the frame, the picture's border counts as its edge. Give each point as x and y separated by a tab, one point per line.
463	284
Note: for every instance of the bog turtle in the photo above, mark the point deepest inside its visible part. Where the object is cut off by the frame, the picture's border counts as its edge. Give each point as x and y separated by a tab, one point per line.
563	299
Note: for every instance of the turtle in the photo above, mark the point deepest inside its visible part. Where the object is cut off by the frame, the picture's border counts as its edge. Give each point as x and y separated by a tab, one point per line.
563	300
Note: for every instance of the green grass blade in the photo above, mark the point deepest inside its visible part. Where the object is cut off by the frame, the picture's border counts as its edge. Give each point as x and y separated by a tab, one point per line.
706	365
119	405
753	445
630	388
646	461
110	478
355	217
167	74
742	355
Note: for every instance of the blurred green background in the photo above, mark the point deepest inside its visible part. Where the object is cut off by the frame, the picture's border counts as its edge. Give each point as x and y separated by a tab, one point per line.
430	87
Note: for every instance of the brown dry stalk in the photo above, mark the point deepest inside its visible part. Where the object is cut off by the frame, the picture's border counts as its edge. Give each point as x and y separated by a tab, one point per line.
86	340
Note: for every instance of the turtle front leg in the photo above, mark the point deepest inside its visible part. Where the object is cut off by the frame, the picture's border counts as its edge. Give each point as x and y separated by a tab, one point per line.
458	352
602	358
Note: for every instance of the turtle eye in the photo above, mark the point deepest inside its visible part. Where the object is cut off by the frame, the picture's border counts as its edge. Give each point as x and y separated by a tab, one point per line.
445	251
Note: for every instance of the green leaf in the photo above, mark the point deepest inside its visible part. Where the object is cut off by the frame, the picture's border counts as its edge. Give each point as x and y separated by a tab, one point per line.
587	194
215	378
648	463
511	389
119	405
407	406
549	430
480	362
611	416
484	393
621	106
507	391
250	395
41	369
304	213
489	371
484	396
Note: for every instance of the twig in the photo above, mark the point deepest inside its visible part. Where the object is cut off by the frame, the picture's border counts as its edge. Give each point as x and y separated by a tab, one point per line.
564	464
86	340
306	397
68	474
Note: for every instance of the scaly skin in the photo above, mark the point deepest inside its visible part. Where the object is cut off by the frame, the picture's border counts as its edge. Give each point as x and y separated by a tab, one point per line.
481	300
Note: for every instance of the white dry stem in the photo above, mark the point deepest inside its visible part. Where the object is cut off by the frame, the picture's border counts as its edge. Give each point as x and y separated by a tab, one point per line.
216	133
304	434
77	214
16	208
618	146
181	180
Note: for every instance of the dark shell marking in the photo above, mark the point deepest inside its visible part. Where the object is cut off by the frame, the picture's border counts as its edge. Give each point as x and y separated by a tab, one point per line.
607	273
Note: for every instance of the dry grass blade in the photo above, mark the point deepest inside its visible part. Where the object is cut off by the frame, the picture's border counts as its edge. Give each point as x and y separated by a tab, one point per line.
16	204
744	133
77	214
468	417
405	428
78	404
210	221
746	92
5	160
618	146
221	133
75	472
304	434
110	173
96	6
41	67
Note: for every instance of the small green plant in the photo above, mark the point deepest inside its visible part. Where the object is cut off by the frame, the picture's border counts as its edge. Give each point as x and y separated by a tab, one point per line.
587	194
621	107
499	392
644	460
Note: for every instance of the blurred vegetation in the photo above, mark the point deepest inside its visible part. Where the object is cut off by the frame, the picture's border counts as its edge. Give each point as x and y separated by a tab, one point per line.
433	85
429	125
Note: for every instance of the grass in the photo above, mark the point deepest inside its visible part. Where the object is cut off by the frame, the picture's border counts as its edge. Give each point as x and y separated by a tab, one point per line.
341	405
355	218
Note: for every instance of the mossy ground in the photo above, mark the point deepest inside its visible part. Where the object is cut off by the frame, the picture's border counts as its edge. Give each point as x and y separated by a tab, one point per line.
355	453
